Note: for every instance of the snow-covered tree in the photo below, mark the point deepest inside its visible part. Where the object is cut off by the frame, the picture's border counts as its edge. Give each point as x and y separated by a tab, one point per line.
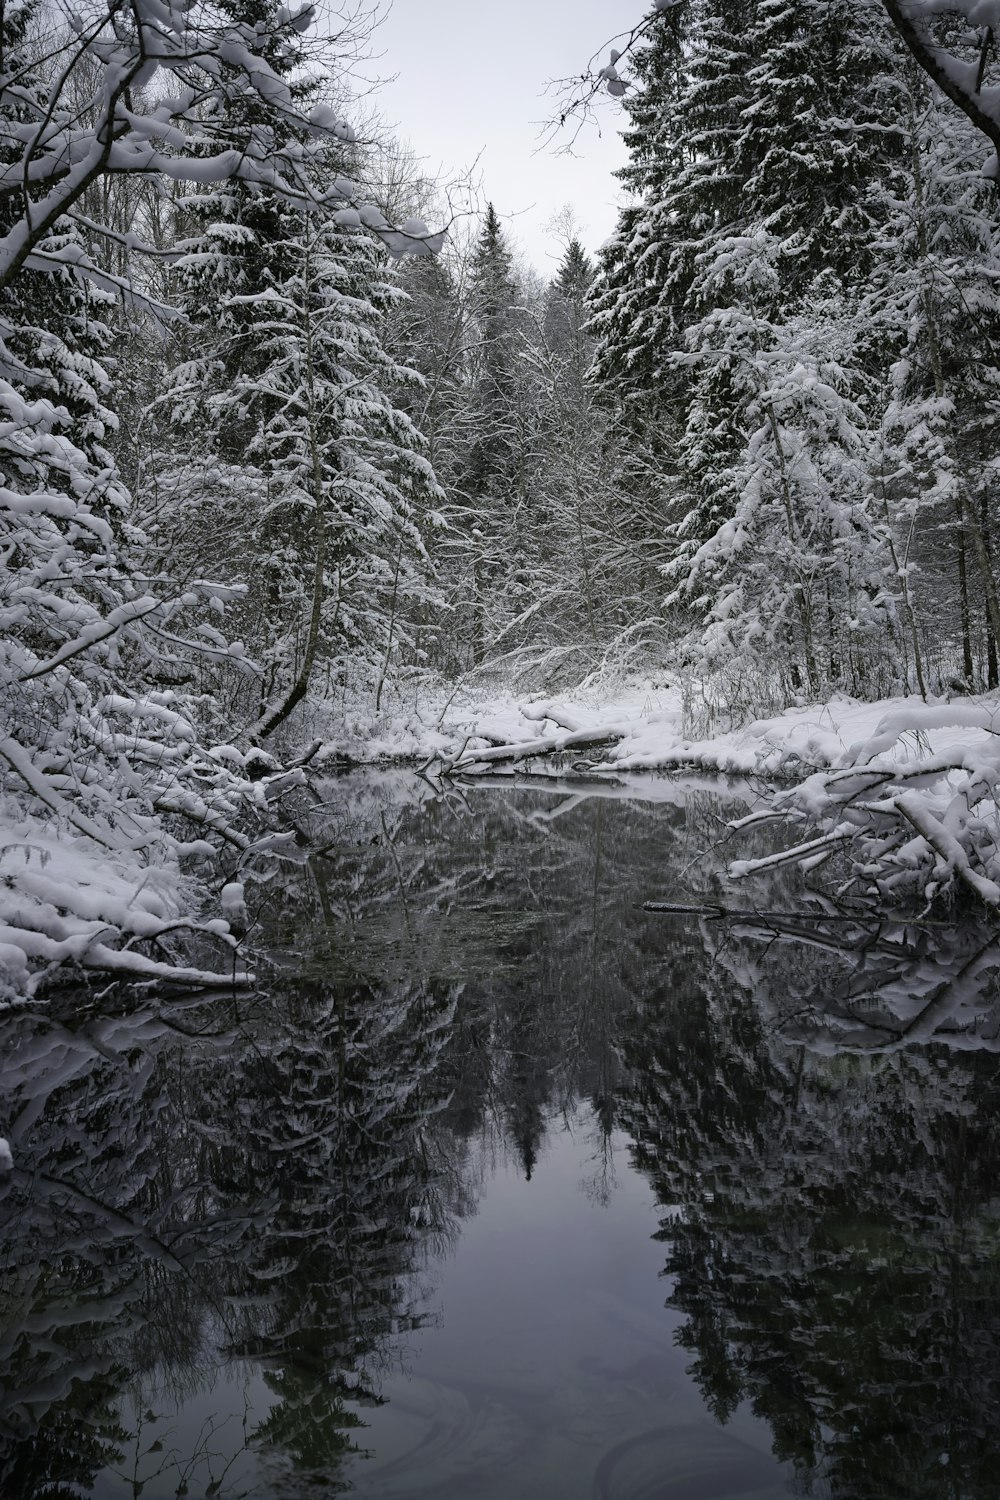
100	651
793	572
814	150
288	402
729	319
634	266
933	302
493	486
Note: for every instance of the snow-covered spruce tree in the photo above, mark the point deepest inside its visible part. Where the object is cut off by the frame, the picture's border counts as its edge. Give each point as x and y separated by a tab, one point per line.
282	403
593	552
347	485
97	746
797	580
634	266
494	485
815	147
199	490
228	237
797	153
430	331
333	485
684	120
565	306
933	300
565	617
764	231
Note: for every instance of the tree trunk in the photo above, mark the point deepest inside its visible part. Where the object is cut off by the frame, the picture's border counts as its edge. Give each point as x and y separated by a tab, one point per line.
991	635
963	595
280	712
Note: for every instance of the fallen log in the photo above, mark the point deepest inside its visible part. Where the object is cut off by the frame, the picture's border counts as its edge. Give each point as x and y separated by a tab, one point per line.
550	744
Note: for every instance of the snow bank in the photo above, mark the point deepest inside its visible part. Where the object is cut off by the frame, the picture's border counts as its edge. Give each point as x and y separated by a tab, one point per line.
643	722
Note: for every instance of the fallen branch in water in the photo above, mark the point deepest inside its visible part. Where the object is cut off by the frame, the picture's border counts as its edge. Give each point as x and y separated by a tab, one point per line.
947	847
713	912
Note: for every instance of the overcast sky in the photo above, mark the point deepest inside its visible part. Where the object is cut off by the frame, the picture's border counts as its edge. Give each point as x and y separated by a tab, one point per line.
471	78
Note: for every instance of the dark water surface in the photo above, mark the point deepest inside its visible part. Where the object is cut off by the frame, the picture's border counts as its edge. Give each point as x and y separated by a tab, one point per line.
503	1189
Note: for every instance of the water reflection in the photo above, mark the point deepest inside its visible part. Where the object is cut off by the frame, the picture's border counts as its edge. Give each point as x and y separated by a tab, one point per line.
829	1142
247	1194
238	1226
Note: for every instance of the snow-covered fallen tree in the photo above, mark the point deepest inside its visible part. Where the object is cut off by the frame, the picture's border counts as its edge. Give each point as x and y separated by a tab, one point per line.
915	803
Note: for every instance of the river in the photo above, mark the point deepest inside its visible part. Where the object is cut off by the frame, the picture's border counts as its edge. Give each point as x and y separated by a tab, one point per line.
500	1187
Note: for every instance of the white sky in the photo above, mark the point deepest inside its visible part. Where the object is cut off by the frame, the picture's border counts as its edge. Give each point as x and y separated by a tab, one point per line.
470	79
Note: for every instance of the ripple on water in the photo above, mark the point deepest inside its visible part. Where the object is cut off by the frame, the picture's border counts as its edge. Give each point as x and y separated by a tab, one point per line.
693	1463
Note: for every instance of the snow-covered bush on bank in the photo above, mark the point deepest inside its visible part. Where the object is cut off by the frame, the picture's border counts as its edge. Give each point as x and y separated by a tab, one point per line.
67	899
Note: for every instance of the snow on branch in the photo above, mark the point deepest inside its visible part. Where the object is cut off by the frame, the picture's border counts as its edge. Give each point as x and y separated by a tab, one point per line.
960	78
159	81
65	899
578	96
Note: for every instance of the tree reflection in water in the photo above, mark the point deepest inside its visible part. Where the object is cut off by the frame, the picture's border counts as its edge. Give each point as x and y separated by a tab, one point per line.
264	1185
194	1191
826	1135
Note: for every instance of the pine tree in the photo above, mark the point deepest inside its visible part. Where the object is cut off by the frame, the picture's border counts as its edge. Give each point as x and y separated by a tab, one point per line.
932	303
633	266
494	486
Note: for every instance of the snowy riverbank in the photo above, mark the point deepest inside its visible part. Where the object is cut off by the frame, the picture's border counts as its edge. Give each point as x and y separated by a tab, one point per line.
905	787
644	725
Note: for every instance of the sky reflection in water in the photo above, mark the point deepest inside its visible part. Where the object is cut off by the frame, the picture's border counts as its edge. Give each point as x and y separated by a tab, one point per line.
505	1188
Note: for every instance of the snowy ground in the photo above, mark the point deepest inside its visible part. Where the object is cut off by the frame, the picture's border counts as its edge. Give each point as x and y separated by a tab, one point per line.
643	723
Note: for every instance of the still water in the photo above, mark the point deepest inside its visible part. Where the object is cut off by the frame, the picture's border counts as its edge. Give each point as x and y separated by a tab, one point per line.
501	1188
